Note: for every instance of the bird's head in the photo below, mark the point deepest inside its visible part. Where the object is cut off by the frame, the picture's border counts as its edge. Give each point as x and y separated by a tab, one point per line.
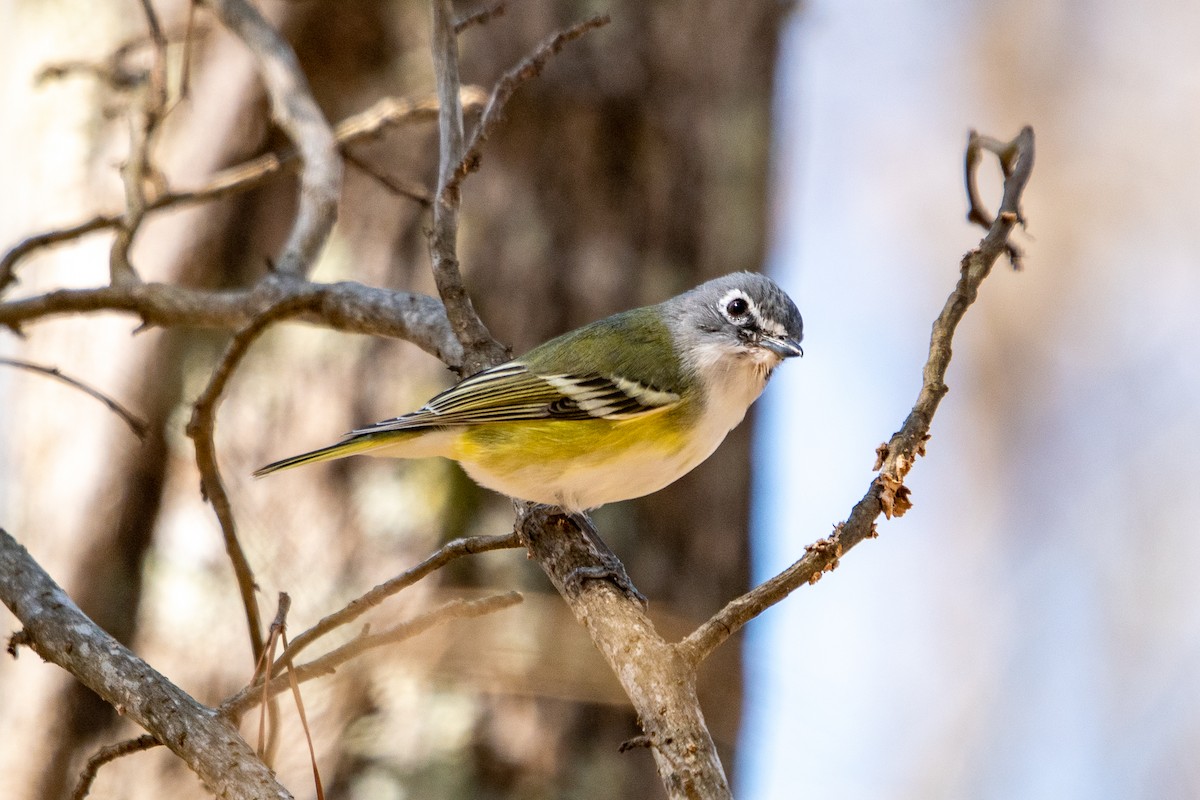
734	318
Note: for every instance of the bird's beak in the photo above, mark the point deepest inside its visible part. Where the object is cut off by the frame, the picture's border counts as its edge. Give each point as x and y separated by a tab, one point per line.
782	346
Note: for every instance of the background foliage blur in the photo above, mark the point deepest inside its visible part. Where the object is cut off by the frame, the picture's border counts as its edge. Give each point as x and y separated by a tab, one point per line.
1030	629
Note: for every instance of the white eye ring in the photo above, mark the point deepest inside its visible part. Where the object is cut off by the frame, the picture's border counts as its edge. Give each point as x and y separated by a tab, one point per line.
736	307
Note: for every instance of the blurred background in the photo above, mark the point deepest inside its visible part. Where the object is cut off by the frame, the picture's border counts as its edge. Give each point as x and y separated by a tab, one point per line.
1030	628
1027	630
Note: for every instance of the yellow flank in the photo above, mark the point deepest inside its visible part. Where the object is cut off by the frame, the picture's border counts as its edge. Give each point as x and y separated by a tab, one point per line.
578	463
507	446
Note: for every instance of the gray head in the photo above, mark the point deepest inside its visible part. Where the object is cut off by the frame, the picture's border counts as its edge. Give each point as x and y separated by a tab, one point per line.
742	316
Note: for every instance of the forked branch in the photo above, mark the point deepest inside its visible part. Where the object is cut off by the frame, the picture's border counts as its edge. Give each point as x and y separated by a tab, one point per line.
59	632
887	494
201	429
356	608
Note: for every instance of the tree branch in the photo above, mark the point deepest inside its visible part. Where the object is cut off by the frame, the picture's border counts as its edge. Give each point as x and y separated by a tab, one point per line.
480	349
887	494
201	430
493	112
256	693
59	632
660	685
146	114
296	112
347	306
481	17
106	754
360	605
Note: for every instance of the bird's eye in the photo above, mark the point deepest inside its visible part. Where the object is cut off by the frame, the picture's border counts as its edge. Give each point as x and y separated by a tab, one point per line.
737	307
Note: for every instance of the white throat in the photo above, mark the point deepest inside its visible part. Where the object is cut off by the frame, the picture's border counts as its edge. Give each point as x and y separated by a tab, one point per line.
732	380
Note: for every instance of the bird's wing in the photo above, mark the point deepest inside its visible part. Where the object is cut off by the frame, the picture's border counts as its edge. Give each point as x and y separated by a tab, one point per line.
511	392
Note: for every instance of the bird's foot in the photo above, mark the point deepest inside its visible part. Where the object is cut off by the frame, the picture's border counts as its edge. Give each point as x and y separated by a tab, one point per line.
612	571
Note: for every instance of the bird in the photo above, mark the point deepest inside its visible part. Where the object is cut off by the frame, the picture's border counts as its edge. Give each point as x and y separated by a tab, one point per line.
616	409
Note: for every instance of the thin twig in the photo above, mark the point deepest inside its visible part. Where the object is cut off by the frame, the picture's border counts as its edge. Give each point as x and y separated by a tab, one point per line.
414	192
106	754
456	161
136	424
146	113
480	348
279	630
250	696
201	429
493	112
481	17
185	58
158	69
116	71
359	606
887	493
387	113
1007	153
297	113
268	730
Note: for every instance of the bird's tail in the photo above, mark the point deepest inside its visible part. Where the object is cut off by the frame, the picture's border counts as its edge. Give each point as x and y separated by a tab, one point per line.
360	443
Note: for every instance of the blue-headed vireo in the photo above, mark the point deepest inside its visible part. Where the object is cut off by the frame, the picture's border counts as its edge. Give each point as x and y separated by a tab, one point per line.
616	409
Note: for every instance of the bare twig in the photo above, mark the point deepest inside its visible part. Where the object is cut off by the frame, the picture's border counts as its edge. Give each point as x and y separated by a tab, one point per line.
493	112
135	423
185	58
481	17
1007	153
201	430
59	632
414	192
294	682
350	307
887	493
296	112
116	71
659	684
158	69
37	241
145	116
252	695
359	606
106	754
268	730
456	161
480	349
387	113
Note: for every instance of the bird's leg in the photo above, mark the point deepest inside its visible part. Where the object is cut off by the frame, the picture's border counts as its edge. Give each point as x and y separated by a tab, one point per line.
610	568
583	558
